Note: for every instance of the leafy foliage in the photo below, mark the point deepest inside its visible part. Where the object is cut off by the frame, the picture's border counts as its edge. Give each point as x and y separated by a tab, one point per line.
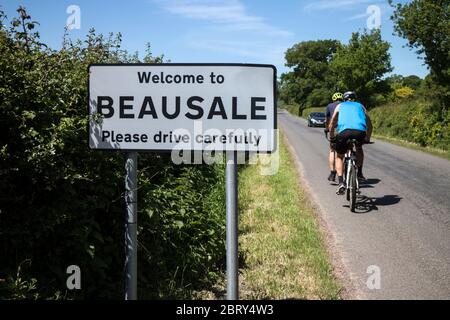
361	64
426	26
406	107
404	92
311	83
62	204
417	121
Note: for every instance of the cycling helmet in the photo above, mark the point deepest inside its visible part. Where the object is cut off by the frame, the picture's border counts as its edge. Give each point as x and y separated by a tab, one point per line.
338	96
349	95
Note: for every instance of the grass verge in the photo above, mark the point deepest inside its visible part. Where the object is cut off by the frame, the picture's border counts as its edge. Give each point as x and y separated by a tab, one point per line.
434	151
292	109
282	245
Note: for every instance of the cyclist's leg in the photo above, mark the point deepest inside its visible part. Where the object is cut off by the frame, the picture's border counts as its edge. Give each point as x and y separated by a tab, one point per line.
360	160
331	160
331	163
359	156
360	137
341	148
340	165
340	173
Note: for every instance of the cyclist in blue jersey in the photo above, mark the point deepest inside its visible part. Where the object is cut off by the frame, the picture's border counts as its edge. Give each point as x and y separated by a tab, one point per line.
337	99
353	122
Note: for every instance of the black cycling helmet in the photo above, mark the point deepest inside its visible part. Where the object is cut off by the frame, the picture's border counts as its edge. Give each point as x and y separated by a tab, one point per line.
349	95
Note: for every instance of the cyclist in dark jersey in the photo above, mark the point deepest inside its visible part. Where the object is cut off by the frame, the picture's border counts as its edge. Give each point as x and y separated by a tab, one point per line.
353	122
337	99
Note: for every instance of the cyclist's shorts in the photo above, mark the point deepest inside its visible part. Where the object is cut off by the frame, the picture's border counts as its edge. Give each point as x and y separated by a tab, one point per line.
348	134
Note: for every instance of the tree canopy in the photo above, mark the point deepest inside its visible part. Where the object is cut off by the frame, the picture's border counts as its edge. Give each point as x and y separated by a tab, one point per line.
426	26
361	64
311	82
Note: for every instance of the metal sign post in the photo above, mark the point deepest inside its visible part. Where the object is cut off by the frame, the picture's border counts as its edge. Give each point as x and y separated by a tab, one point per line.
232	226
131	226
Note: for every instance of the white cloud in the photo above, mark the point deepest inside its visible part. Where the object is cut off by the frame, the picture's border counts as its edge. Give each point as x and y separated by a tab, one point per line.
259	50
335	4
358	16
386	11
230	15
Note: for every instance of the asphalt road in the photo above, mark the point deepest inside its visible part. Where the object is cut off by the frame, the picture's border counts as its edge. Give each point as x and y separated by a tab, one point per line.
401	228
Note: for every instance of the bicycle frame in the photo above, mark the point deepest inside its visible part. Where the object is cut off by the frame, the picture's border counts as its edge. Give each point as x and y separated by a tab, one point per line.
349	162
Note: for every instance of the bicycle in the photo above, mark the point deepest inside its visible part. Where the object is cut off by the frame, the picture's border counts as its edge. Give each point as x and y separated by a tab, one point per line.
350	170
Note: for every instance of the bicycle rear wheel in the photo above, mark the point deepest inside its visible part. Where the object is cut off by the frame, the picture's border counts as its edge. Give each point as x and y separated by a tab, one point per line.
347	176
352	185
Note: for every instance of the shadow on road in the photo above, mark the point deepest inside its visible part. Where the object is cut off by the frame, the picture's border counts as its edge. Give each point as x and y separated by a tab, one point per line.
368	183
366	204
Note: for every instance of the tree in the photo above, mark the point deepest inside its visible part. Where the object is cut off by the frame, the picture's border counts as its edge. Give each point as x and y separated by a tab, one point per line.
311	75
426	26
412	81
361	64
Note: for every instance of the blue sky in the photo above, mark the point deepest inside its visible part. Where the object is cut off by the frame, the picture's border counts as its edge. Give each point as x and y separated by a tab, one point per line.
252	31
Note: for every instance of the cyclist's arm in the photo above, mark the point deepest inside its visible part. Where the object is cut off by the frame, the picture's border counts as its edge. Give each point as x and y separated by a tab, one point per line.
369	125
333	121
327	117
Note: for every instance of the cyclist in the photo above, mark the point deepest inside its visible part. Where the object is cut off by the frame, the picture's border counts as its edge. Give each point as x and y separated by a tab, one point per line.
337	99
353	122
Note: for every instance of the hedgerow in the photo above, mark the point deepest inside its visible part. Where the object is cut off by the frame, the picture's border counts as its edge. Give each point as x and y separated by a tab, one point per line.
62	204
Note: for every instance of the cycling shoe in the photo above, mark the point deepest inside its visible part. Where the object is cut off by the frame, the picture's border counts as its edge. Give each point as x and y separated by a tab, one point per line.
341	189
332	177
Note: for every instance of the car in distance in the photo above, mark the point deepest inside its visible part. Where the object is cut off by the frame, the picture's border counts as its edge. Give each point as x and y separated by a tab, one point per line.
316	119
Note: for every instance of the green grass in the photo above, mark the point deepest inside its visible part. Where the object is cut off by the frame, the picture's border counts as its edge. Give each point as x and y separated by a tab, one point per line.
291	108
280	239
434	151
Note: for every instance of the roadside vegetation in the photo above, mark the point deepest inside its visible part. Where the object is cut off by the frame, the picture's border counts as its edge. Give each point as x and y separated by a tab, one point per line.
296	110
283	248
403	108
62	204
415	121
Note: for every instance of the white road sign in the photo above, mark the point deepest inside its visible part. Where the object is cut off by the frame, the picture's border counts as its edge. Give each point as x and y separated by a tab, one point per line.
162	107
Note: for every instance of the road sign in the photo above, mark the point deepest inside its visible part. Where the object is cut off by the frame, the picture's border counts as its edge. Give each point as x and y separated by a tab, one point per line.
163	107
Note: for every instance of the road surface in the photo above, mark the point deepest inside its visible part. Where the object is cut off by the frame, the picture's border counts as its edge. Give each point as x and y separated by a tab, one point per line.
402	228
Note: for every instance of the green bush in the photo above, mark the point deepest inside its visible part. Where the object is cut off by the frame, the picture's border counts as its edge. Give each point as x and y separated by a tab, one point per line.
62	204
291	108
421	122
